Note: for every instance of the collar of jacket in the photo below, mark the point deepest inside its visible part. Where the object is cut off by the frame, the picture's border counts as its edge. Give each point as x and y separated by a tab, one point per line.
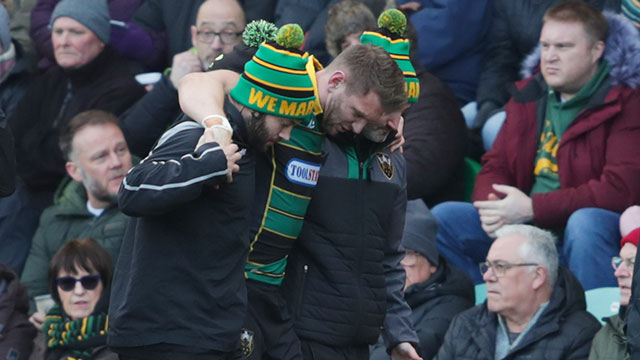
535	90
88	73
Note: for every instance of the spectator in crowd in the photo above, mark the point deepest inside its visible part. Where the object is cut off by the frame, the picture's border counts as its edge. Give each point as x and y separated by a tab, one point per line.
514	33
175	18
7	163
346	21
274	234
312	16
435	290
451	52
88	75
128	39
566	157
16	333
20	13
629	221
76	326
434	128
14	69
534	308
13	77
218	28
179	186
611	342
86	204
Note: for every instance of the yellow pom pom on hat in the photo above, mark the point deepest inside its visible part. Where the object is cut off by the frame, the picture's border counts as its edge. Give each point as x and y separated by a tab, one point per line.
275	81
392	24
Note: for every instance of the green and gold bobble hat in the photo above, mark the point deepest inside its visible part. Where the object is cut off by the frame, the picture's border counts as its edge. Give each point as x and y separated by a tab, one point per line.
275	81
388	35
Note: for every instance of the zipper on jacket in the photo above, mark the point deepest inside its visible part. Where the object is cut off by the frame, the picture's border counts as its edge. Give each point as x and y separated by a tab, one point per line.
305	270
361	246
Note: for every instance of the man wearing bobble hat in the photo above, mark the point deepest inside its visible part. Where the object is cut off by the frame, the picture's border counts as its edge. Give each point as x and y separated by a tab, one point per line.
179	290
349	97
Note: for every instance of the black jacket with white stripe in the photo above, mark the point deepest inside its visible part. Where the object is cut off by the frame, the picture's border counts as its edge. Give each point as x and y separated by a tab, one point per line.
179	278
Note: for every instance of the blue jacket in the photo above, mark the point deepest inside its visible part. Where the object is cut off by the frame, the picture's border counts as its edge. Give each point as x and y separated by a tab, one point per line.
451	39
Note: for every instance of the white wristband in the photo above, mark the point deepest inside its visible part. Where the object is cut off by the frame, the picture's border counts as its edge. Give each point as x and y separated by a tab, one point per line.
224	122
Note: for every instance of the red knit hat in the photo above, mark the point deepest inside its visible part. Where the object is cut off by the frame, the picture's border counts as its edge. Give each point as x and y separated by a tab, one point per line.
631	237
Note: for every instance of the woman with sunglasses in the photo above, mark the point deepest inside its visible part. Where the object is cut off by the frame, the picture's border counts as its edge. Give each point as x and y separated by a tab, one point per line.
79	279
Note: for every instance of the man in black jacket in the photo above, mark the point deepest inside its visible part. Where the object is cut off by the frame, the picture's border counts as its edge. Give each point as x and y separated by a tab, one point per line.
435	290
534	309
178	289
348	253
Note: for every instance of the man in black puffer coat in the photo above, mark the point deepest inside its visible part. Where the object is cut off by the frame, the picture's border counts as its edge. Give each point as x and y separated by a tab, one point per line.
534	310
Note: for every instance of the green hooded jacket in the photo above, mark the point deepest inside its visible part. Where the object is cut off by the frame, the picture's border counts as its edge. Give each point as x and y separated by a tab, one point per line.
610	343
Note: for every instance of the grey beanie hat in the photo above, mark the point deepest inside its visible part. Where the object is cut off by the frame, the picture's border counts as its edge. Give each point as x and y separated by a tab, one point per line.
5	29
420	229
93	14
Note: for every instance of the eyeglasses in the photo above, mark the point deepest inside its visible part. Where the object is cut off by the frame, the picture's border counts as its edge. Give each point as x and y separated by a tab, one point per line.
226	37
500	268
68	283
616	261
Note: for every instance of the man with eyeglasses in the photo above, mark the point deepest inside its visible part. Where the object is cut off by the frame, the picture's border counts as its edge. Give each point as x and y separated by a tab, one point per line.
611	341
218	28
534	308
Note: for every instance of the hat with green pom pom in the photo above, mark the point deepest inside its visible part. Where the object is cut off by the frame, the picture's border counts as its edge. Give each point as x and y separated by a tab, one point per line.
275	81
254	34
388	35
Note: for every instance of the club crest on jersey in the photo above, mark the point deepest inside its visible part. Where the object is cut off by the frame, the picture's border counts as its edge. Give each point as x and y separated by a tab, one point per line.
385	164
311	123
246	342
302	172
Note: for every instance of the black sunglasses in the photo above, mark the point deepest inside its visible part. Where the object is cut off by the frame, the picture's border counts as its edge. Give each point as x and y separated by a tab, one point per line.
68	283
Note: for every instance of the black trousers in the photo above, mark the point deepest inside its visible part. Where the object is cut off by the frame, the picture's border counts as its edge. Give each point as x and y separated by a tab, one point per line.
268	331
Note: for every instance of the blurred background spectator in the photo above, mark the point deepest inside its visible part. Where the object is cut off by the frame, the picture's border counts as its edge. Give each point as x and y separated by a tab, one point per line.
16	333
216	30
85	204
452	36
611	341
79	283
435	290
88	75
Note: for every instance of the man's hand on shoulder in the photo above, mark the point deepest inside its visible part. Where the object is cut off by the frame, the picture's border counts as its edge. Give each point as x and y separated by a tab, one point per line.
404	351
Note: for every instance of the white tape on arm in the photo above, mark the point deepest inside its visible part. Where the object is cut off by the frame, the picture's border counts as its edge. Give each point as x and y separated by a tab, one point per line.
217	121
